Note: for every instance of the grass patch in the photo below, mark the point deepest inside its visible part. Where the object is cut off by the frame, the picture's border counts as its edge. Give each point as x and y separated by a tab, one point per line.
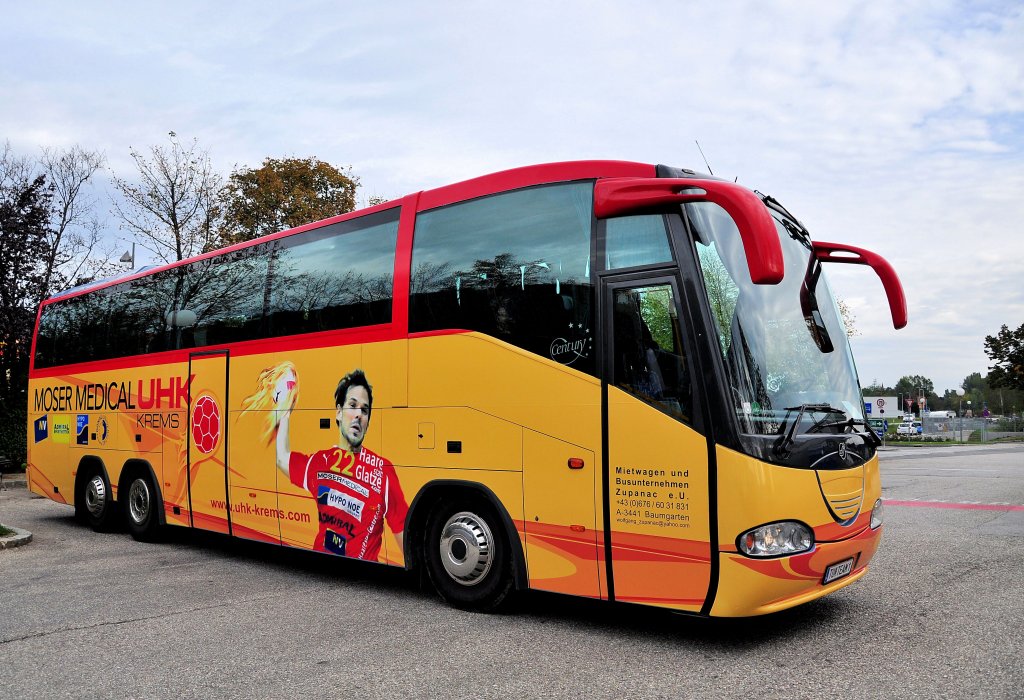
4	532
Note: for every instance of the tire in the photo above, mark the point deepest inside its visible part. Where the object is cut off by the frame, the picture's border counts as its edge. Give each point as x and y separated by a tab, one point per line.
467	555
98	509
140	509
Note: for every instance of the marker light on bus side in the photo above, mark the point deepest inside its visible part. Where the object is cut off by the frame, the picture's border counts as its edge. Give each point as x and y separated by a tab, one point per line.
776	539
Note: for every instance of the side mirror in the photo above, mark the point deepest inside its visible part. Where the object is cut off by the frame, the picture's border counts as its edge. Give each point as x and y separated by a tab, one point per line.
839	253
618	196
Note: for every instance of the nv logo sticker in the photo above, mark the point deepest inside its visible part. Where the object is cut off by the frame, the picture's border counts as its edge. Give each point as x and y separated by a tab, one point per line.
42	426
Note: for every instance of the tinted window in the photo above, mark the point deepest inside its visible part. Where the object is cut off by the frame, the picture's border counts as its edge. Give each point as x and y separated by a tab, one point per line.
631	241
226	295
336	276
515	266
323	280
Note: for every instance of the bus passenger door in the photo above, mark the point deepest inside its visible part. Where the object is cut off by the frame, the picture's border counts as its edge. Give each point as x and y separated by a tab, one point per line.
656	470
207	440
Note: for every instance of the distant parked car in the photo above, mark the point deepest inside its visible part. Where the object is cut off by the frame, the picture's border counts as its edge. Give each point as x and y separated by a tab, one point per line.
913	428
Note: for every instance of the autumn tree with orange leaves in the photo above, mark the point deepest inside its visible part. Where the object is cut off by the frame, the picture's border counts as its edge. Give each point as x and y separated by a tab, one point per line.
284	193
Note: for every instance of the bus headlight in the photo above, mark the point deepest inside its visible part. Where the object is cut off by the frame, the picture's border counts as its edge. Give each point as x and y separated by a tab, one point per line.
876	515
776	539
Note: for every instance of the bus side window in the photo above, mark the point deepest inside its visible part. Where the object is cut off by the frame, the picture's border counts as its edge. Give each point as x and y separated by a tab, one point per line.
633	241
649	359
515	266
336	276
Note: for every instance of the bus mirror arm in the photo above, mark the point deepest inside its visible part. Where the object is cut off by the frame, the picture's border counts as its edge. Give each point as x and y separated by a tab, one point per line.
839	253
618	196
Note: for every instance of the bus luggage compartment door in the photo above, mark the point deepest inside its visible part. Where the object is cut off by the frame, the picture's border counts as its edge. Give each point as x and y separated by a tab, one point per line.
207	440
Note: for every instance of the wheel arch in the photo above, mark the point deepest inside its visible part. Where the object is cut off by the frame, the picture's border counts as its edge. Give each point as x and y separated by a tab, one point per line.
435	491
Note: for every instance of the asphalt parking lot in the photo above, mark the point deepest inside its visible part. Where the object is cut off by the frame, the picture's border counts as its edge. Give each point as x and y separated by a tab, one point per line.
940	614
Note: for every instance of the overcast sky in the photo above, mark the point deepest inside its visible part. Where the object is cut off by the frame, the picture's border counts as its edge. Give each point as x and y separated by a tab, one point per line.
895	126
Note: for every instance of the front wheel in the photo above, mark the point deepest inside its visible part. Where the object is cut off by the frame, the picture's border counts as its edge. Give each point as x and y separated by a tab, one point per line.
141	517
467	555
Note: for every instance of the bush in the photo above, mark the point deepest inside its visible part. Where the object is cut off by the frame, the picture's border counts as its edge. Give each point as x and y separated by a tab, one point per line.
12	438
921	438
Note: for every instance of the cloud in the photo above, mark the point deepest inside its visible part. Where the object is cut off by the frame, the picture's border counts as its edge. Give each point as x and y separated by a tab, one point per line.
894	126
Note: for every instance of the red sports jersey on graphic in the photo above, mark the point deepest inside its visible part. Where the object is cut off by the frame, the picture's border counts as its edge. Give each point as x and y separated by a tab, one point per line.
354	493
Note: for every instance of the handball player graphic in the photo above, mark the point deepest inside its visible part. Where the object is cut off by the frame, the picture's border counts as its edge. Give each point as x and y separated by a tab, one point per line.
355	489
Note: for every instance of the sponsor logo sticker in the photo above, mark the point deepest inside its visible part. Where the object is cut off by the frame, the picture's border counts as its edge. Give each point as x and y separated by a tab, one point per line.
341	501
62	429
102	430
82	429
42	427
334	543
354	486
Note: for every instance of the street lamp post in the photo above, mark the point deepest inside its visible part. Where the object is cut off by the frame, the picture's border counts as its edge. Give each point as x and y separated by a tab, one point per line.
960	413
129	257
921	400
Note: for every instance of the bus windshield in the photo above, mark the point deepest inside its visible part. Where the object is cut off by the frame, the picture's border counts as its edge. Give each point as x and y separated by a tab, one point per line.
787	359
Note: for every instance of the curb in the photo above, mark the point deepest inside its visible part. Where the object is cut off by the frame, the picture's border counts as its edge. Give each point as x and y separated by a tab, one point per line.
12	481
19	538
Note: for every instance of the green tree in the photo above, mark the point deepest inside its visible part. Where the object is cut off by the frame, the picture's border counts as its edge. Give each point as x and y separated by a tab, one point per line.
24	226
974	383
976	389
915	386
284	193
1006	350
877	388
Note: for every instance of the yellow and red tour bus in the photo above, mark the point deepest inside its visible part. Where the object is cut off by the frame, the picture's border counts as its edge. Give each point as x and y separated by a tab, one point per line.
607	379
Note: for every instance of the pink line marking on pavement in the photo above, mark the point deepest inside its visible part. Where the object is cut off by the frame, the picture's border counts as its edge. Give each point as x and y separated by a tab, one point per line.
957	506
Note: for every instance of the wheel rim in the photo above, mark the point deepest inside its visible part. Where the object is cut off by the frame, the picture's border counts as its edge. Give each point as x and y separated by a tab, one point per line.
467	548
96	496
139	501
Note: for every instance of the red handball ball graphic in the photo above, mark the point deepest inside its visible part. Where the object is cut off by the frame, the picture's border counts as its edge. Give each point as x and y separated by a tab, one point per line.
205	424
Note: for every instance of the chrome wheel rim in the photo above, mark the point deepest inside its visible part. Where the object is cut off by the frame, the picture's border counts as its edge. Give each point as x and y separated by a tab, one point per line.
96	496
139	501
467	548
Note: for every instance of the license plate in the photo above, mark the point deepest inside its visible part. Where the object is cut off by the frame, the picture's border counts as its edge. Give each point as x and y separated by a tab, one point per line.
838	570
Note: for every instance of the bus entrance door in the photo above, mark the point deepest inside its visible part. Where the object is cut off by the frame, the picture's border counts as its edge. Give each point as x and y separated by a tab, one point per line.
207	440
657	464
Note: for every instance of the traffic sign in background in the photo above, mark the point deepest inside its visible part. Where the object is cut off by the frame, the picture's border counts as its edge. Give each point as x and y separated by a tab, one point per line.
881	406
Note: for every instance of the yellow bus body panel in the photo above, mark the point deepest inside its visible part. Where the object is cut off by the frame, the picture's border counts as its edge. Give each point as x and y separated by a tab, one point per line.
557	413
750	586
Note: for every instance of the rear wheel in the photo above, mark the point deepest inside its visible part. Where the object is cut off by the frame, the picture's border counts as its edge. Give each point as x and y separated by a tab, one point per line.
140	509
468	556
97	502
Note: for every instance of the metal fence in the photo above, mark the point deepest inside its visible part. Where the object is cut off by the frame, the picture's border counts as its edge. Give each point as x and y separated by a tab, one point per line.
972	429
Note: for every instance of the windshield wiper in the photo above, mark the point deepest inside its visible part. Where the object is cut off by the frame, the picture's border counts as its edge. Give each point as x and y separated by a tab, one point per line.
781	445
870	434
776	205
786	437
848	424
